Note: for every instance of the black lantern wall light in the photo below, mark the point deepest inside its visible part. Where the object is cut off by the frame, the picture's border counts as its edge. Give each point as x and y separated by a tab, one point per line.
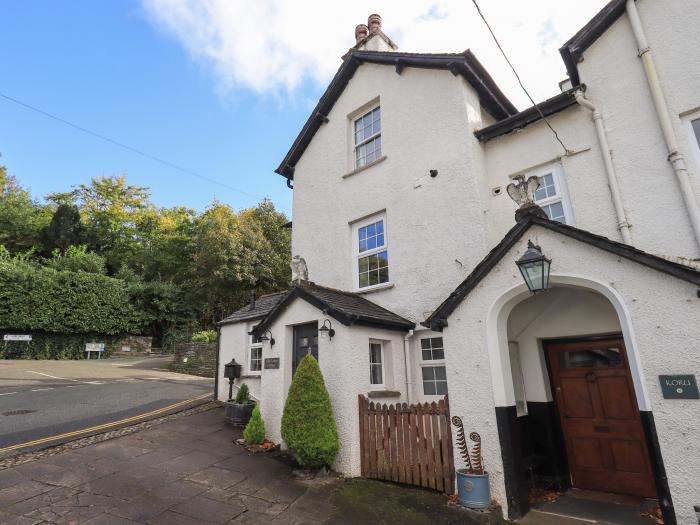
327	329
534	267
267	336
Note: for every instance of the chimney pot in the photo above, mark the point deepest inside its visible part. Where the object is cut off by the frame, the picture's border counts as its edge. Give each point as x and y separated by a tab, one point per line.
375	23
361	32
252	299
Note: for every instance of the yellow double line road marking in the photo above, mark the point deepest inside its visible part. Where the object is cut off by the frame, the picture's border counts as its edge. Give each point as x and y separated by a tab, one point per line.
105	425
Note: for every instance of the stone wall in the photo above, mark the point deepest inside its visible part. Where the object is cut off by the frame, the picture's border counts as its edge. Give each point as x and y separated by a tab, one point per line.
132	345
198	359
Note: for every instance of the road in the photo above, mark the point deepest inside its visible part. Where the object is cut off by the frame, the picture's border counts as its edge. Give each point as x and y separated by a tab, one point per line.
42	399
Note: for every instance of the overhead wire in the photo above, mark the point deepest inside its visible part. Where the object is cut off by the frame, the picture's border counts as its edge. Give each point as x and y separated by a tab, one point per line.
542	116
132	149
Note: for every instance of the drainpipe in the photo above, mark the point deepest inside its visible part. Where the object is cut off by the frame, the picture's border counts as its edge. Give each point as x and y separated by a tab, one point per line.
675	157
622	224
407	364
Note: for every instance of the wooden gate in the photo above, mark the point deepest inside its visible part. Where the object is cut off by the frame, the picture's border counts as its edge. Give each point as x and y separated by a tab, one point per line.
409	444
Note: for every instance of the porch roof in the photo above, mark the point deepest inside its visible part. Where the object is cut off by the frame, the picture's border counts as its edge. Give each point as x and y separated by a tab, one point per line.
438	319
346	307
262	307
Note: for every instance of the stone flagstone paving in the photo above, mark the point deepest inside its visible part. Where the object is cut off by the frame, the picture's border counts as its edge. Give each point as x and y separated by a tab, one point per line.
182	472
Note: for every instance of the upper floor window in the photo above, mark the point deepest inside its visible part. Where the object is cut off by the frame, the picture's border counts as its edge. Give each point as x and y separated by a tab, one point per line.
552	196
371	252
433	371
368	138
695	124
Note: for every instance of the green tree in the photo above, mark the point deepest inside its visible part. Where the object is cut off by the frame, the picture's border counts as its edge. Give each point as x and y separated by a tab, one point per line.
21	218
111	209
64	230
308	425
254	432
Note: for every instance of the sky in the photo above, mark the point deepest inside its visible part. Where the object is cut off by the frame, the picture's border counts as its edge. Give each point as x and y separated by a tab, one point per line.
219	89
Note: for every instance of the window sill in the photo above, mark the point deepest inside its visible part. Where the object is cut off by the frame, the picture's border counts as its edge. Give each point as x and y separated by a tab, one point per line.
365	167
250	376
373	394
376	288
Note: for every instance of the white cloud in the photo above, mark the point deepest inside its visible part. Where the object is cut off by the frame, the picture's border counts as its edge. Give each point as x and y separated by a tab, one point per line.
272	46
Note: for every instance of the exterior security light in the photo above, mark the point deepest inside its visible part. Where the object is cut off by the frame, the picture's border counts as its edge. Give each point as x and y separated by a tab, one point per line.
534	267
327	329
265	337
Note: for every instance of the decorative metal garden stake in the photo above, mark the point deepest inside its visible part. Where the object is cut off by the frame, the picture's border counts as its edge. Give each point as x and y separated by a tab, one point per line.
472	482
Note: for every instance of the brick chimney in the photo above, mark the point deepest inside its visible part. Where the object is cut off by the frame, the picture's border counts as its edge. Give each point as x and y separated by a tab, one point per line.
374	22
361	32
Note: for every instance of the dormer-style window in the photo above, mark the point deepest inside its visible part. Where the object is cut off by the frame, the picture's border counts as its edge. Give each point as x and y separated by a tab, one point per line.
368	137
371	252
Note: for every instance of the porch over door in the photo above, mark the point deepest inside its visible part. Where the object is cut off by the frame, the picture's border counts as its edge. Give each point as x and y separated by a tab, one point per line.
603	433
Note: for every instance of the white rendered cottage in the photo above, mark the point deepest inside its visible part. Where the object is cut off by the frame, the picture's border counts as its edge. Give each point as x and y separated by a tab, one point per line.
401	213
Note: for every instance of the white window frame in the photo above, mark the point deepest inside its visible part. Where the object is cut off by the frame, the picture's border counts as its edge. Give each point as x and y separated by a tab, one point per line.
357	254
355	145
694	141
254	345
382	364
431	363
562	190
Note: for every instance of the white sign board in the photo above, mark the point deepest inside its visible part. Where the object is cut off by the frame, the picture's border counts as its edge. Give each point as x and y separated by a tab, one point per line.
94	347
17	337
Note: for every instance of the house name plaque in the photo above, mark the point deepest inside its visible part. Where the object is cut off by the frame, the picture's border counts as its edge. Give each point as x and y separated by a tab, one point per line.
679	387
272	362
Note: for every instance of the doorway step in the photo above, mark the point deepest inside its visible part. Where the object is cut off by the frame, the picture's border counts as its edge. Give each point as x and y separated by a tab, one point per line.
581	507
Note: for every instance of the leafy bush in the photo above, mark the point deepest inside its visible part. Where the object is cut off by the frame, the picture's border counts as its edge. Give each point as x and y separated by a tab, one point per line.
254	432
33	297
77	259
53	346
205	336
308	425
243	395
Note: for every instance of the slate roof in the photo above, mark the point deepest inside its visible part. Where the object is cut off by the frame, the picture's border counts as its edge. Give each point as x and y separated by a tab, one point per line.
528	116
263	305
438	319
464	64
346	307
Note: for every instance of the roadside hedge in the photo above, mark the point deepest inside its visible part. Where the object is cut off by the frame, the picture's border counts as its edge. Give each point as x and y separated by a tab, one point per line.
54	346
38	298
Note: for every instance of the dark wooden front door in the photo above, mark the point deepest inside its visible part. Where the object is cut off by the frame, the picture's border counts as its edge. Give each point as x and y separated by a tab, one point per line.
605	441
305	342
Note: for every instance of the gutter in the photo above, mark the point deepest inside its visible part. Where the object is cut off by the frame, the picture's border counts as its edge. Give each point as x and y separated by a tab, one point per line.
622	222
675	157
218	354
407	365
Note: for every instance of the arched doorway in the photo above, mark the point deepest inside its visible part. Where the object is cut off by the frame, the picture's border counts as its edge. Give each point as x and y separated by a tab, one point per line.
564	363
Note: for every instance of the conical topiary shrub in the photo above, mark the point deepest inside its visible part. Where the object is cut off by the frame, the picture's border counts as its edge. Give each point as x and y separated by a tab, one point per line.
308	426
254	433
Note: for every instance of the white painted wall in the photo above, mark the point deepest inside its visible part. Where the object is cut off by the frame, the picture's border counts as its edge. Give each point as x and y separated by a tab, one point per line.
234	344
561	312
344	362
616	83
658	315
427	118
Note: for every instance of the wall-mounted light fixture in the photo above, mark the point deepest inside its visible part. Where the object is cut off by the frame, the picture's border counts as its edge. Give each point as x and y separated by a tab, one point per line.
267	336
327	329
534	267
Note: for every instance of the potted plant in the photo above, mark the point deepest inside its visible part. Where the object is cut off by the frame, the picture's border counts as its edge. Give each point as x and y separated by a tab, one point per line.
239	410
473	481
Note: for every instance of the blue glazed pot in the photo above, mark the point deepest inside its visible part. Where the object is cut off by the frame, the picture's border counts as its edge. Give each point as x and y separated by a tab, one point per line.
473	489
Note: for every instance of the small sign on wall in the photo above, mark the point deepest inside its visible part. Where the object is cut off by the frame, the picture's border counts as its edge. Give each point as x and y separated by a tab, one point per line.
679	387
272	362
17	337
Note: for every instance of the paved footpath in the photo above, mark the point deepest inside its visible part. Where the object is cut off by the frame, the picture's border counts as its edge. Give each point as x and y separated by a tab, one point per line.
184	471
